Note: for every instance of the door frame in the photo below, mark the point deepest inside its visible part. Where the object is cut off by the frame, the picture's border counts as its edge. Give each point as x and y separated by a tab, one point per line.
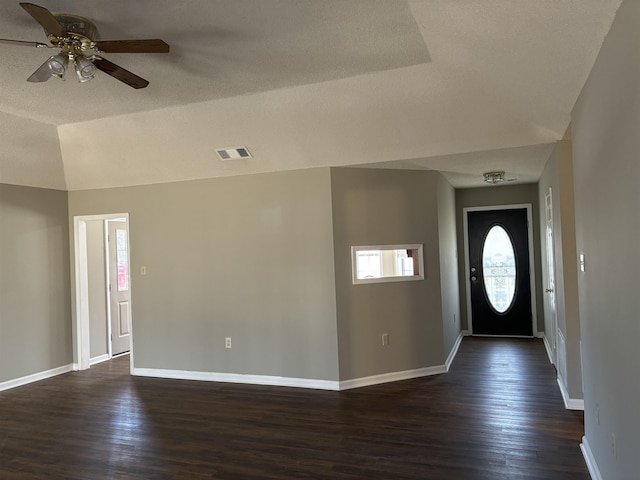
467	268
551	265
80	325
109	281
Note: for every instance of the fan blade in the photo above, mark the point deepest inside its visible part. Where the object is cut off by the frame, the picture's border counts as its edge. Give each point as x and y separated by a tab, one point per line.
42	74
45	18
154	45
120	73
23	42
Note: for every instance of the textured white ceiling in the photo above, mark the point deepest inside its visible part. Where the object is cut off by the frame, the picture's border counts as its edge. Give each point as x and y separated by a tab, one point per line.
465	170
459	87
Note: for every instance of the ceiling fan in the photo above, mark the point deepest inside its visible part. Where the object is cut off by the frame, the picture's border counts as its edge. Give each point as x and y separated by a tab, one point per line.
76	37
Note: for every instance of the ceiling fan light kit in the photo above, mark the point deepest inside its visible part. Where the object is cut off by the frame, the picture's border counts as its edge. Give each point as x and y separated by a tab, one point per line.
85	69
57	65
77	39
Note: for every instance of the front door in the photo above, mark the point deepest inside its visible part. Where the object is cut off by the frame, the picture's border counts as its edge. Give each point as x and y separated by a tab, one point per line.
499	272
119	287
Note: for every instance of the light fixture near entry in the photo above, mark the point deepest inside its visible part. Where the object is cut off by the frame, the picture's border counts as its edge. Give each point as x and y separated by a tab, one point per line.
494	178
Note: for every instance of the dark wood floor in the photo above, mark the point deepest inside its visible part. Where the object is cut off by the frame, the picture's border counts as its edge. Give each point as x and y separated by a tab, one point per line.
496	415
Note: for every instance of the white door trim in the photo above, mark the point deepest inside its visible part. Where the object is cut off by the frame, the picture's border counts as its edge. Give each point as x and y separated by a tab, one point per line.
467	268
113	292
81	346
105	232
550	301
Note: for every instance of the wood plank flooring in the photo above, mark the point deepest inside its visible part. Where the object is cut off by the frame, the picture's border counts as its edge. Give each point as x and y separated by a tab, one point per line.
497	415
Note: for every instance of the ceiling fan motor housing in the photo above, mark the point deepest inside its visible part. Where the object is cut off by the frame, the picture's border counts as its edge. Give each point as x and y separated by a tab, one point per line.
78	25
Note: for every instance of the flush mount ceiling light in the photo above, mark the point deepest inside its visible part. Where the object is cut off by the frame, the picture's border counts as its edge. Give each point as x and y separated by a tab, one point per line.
233	153
494	178
77	39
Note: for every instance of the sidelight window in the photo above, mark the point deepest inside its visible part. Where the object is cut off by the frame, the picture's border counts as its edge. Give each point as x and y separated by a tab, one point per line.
122	260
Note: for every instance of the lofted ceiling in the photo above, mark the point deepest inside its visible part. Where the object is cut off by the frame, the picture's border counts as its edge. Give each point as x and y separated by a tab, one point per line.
460	87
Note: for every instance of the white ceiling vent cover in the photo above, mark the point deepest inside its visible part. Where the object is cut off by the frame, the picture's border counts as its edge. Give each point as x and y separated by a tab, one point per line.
233	153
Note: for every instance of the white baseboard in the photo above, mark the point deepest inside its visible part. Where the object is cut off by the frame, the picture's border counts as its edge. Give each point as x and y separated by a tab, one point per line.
491	335
392	377
98	359
237	378
17	382
569	403
304	382
453	352
289	381
590	460
548	348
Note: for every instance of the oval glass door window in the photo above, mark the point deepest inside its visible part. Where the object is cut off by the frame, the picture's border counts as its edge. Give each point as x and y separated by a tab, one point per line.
499	269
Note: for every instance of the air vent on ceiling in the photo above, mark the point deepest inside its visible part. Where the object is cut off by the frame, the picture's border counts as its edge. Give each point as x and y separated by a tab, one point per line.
233	153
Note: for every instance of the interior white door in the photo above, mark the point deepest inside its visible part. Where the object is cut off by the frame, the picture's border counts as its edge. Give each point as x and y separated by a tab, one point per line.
550	304
119	288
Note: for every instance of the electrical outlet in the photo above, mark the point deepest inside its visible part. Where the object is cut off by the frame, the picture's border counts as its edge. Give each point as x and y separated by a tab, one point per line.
227	342
385	339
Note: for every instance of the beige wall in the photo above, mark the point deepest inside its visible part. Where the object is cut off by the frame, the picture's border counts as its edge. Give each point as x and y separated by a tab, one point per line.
490	196
35	312
450	287
253	258
558	174
606	145
248	257
97	286
386	207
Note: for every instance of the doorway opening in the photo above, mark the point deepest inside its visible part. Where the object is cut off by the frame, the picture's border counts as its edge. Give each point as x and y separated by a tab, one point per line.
102	323
499	265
